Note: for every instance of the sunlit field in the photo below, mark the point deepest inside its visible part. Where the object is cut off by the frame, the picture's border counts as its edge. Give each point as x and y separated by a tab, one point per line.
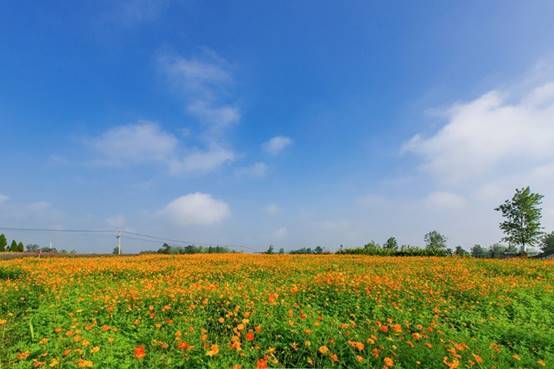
263	311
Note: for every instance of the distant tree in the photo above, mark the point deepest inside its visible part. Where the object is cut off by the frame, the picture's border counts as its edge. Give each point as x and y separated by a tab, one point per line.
435	241
281	250
318	250
115	251
477	251
391	244
497	250
547	245
522	224
269	250
20	247
13	246
3	242
32	248
460	251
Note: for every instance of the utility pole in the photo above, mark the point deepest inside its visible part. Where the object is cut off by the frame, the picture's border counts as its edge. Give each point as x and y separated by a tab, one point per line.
118	238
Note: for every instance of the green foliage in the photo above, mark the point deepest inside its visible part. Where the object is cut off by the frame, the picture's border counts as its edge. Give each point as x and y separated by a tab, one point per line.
391	244
522	224
435	241
13	246
547	245
191	249
460	251
3	242
269	250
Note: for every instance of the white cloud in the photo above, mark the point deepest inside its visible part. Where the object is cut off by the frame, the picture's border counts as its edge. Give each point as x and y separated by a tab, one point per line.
445	200
202	161
195	209
277	144
134	144
131	13
272	209
256	170
205	84
3	198
491	136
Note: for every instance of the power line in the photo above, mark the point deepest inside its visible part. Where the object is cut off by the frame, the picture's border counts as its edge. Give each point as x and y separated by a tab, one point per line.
57	230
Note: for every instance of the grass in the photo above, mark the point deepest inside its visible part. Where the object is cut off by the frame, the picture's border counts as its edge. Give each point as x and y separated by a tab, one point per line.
256	311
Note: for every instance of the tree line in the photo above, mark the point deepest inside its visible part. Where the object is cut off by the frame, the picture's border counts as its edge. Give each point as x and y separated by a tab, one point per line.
521	226
14	246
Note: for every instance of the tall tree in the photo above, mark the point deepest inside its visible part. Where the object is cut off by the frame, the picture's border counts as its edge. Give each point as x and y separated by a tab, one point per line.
3	242
522	214
20	247
435	241
13	246
391	244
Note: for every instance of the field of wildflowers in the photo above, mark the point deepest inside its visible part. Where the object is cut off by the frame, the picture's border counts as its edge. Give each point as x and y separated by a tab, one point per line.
264	311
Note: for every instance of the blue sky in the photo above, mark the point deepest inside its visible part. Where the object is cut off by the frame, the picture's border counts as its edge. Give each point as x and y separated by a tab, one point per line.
296	123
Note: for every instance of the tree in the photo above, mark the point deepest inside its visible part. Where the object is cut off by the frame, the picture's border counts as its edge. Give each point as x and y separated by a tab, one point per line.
435	241
391	244
269	250
281	250
20	247
522	224
460	251
32	247
318	250
477	251
13	246
547	244
3	242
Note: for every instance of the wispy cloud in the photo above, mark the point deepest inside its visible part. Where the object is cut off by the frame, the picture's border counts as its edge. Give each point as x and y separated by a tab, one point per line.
132	13
3	198
256	170
277	144
205	83
134	144
202	161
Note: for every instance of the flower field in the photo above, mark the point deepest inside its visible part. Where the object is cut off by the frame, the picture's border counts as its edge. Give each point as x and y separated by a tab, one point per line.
264	311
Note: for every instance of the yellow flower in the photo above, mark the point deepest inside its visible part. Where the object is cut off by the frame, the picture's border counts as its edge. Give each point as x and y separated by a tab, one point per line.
324	350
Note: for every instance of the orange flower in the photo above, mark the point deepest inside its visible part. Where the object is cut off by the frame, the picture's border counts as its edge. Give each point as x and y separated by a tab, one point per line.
22	355
262	363
388	362
249	336
477	358
85	364
184	346
214	349
140	353
324	350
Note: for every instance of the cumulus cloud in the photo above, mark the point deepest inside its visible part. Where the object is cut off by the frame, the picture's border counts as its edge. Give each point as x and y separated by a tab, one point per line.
490	136
202	161
205	83
195	209
277	144
134	143
256	170
3	198
147	142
